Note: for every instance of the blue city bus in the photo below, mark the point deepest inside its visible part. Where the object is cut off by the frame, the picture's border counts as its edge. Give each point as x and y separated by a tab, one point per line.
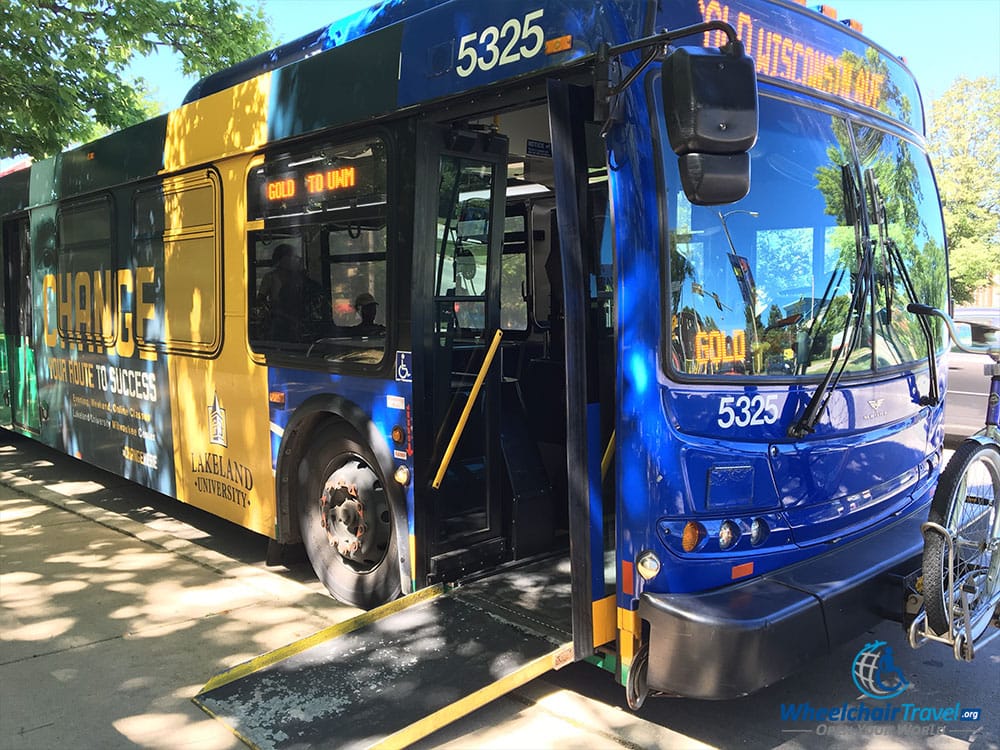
448	289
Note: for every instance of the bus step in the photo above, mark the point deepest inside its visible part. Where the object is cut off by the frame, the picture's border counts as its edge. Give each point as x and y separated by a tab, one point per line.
532	512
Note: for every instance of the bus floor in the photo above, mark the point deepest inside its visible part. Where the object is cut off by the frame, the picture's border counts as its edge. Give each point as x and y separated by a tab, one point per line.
397	673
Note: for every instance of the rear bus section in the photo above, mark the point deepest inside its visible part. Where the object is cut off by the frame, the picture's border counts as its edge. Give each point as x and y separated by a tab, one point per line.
778	455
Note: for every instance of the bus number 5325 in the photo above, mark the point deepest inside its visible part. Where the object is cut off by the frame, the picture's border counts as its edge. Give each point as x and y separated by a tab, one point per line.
742	411
488	54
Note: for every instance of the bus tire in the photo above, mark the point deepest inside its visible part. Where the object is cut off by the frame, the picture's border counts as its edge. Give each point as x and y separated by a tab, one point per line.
636	687
346	519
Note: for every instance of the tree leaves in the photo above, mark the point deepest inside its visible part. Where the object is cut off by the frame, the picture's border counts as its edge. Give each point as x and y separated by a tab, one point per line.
63	62
965	151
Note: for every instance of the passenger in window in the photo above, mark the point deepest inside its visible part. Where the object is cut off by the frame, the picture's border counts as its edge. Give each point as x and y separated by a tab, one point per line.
367	307
291	306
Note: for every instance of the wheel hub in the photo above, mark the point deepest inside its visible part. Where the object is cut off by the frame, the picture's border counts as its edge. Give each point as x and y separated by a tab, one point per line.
343	517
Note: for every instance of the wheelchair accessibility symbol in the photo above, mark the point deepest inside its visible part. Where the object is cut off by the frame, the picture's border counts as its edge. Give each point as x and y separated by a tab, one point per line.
404	368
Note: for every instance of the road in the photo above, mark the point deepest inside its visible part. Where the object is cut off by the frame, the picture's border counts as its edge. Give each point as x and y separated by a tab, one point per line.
117	604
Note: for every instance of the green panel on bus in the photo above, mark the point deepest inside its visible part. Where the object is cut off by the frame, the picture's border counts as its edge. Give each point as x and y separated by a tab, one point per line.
121	157
318	92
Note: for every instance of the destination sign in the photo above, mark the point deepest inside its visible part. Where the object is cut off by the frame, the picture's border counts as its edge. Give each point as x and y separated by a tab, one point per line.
715	347
326	178
315	183
801	48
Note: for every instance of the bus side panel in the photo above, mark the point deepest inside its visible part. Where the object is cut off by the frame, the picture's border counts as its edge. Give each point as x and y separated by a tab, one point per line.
102	396
222	438
220	416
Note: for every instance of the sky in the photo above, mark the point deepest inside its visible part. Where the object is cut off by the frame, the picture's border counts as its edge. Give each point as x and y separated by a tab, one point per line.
940	40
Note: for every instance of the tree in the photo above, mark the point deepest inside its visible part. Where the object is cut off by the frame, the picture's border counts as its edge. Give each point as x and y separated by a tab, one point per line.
965	151
63	63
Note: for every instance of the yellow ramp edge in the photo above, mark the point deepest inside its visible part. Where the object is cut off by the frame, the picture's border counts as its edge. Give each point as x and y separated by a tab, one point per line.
296	647
559	657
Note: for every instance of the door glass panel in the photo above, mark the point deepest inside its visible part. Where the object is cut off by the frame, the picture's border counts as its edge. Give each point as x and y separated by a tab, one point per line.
463	232
463	229
514	269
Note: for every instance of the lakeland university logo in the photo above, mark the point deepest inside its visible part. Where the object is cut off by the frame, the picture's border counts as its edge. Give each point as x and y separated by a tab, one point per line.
875	673
217	423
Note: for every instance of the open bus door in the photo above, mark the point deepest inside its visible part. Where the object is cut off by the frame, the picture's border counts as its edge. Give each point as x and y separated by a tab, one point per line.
589	362
20	392
487	509
459	229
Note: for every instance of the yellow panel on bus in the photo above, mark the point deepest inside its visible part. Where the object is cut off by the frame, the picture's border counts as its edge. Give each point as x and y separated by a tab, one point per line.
227	122
222	451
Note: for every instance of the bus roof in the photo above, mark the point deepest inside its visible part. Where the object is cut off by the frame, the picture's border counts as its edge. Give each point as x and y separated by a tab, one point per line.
404	53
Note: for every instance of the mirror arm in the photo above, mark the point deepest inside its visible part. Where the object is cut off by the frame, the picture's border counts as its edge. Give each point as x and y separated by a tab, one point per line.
635	72
659	43
733	47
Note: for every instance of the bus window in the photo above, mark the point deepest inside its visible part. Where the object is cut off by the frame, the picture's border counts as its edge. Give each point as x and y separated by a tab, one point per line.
320	291
905	187
174	227
762	287
356	260
317	272
84	267
290	307
514	270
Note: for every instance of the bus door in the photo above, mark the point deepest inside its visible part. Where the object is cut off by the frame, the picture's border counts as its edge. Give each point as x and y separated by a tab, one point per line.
19	407
461	184
586	271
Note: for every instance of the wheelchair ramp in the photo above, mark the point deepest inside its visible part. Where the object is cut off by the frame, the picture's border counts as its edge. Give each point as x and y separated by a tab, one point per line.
393	675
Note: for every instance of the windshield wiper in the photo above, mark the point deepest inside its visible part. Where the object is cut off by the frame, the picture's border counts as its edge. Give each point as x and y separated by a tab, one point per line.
896	258
856	213
818	313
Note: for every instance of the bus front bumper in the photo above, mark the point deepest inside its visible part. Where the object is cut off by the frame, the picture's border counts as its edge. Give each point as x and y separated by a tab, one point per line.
730	642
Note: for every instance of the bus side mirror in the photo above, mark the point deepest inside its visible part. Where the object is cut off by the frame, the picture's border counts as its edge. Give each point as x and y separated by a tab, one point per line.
710	107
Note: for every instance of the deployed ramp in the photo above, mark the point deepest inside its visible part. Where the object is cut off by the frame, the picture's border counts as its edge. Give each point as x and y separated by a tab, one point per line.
393	675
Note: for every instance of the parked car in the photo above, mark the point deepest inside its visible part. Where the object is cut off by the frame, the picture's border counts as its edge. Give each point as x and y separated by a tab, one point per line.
968	388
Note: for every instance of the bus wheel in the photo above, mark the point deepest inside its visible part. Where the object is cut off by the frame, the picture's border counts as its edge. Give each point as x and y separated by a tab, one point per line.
346	520
636	689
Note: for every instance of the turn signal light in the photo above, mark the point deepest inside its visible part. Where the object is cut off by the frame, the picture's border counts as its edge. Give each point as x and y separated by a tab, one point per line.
693	535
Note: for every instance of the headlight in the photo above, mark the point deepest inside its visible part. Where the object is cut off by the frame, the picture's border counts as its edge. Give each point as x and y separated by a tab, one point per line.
758	532
729	534
648	565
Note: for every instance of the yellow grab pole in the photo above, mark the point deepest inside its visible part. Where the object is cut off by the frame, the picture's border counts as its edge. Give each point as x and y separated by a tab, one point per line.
460	427
609	453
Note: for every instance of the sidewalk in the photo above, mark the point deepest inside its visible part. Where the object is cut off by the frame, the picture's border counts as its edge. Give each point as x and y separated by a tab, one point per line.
110	626
114	613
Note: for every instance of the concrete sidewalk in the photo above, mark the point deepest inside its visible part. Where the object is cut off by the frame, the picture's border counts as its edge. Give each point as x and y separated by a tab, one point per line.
114	613
110	626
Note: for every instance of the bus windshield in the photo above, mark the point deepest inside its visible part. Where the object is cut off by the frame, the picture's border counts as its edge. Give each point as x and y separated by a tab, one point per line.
762	288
